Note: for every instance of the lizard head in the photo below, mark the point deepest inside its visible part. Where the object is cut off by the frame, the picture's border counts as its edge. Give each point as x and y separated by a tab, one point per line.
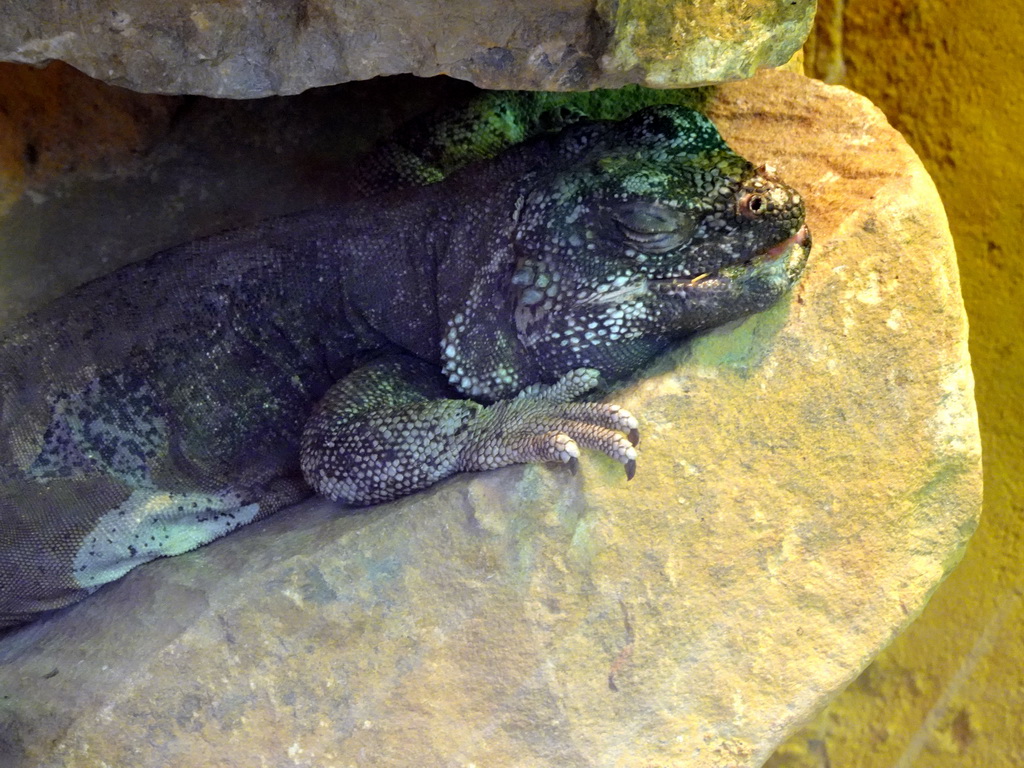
645	231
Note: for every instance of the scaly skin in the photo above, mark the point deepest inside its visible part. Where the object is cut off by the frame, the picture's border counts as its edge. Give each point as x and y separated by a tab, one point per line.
373	349
431	148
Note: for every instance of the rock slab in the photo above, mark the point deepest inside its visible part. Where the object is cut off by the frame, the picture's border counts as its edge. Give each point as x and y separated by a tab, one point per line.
807	478
254	48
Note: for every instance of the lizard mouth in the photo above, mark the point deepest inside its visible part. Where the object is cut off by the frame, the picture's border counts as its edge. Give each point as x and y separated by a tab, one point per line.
800	239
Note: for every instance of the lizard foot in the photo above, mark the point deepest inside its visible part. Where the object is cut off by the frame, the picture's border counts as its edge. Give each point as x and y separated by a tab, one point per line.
543	424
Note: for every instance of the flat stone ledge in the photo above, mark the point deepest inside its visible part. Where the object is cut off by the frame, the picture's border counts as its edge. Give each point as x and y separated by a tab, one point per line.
807	478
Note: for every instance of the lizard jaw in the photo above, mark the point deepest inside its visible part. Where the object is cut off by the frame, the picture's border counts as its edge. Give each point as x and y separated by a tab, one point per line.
802	237
793	251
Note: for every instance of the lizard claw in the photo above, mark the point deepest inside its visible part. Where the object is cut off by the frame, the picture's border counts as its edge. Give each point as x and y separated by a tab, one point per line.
540	424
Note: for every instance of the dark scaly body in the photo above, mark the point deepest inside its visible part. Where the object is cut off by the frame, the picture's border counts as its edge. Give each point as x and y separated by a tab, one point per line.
166	404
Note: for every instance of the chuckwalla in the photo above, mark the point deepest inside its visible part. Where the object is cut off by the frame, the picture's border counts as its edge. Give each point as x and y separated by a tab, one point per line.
369	350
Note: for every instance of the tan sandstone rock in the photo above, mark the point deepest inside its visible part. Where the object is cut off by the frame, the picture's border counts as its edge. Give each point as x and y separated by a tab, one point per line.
257	48
807	478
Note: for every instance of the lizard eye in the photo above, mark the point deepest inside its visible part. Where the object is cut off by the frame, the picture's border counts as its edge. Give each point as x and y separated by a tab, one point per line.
653	228
752	205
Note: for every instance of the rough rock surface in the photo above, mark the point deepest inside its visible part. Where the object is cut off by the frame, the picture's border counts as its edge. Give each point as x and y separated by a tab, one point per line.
257	48
807	478
93	177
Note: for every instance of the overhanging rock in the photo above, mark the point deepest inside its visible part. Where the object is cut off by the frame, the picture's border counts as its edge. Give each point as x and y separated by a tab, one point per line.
258	48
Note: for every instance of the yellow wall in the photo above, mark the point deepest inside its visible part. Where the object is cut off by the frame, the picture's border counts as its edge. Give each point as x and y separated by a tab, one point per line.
950	77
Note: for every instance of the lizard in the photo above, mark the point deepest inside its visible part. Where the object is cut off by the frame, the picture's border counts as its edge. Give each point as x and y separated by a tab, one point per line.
366	351
428	148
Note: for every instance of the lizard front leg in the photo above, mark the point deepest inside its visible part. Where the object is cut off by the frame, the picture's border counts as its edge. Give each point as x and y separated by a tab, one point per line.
390	429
